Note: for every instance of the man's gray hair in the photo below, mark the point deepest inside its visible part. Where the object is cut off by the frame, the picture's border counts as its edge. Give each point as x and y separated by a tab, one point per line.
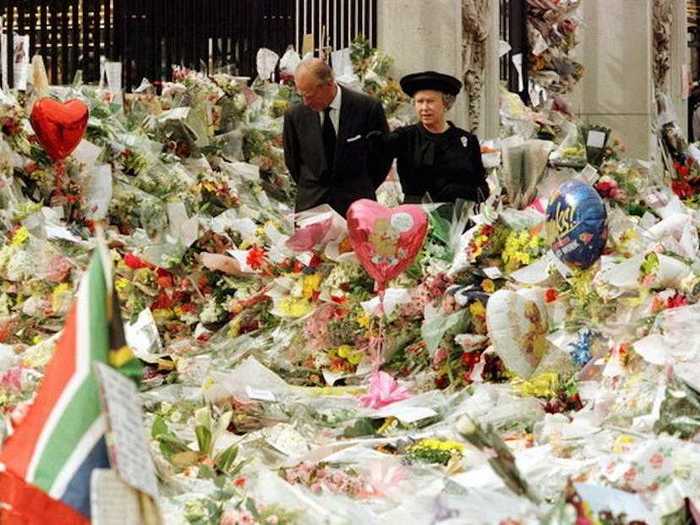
318	69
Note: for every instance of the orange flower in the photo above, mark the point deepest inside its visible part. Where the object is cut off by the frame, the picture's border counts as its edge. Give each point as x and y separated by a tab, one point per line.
256	257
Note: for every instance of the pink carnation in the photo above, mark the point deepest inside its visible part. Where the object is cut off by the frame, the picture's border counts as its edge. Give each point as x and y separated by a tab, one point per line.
383	390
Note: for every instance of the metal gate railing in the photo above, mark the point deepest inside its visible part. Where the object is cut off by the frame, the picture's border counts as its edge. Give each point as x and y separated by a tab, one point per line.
513	29
148	36
335	23
70	35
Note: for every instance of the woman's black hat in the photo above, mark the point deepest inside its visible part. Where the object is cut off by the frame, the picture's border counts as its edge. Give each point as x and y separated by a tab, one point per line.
430	80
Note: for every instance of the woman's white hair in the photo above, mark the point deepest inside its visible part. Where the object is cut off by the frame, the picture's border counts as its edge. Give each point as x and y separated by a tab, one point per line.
448	100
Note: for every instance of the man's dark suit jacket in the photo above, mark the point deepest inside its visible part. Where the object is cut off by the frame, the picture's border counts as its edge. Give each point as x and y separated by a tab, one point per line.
354	173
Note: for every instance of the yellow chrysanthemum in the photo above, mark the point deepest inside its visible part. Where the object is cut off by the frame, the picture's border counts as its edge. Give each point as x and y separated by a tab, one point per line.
477	309
488	286
311	284
294	307
363	320
121	284
20	237
163	314
543	385
58	295
440	444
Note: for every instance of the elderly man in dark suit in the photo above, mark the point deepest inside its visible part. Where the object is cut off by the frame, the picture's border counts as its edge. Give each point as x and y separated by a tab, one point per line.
325	148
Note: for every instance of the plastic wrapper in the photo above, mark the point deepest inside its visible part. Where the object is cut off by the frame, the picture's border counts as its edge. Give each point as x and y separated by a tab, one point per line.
240	307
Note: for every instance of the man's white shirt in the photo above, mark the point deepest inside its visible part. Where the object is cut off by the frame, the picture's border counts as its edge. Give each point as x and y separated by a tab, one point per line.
335	110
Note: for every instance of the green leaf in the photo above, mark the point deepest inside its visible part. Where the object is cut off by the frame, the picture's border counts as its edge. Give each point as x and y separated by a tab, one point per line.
212	509
250	505
224	460
227	493
440	228
222	424
206	472
239	467
362	427
159	427
204	441
170	445
219	481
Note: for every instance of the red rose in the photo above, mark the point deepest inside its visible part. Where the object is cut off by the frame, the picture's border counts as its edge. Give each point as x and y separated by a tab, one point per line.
677	300
682	189
442	382
163	301
134	262
164	278
315	261
550	295
469	359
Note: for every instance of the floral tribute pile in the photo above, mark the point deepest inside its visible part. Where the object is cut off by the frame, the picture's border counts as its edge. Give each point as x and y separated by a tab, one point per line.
569	398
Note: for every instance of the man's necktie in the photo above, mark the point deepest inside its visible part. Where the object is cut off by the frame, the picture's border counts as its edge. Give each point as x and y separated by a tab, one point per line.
328	138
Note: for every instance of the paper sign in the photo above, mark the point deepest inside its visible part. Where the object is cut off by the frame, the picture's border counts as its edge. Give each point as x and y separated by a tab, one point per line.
493	272
589	174
596	139
503	48
142	337
185	229
307	45
518	63
130	453
113	72
342	65
259	394
112	501
87	152
287	440
305	258
331	377
59	232
98	192
20	61
406	414
266	62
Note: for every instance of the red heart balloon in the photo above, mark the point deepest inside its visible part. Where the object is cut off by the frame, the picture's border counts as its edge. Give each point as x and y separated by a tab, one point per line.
386	240
59	126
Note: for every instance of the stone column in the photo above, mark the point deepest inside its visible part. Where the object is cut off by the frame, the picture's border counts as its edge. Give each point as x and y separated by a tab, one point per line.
680	61
490	119
617	88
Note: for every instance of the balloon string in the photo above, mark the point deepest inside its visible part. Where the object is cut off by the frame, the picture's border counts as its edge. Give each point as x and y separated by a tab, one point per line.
59	168
377	344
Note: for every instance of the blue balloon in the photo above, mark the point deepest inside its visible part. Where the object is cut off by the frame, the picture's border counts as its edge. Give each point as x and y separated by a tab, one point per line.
577	224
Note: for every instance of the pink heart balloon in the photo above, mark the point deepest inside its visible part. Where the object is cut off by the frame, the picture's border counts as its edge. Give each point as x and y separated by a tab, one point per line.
386	240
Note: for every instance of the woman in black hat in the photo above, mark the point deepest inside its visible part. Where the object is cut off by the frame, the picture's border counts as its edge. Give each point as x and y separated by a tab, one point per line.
434	156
